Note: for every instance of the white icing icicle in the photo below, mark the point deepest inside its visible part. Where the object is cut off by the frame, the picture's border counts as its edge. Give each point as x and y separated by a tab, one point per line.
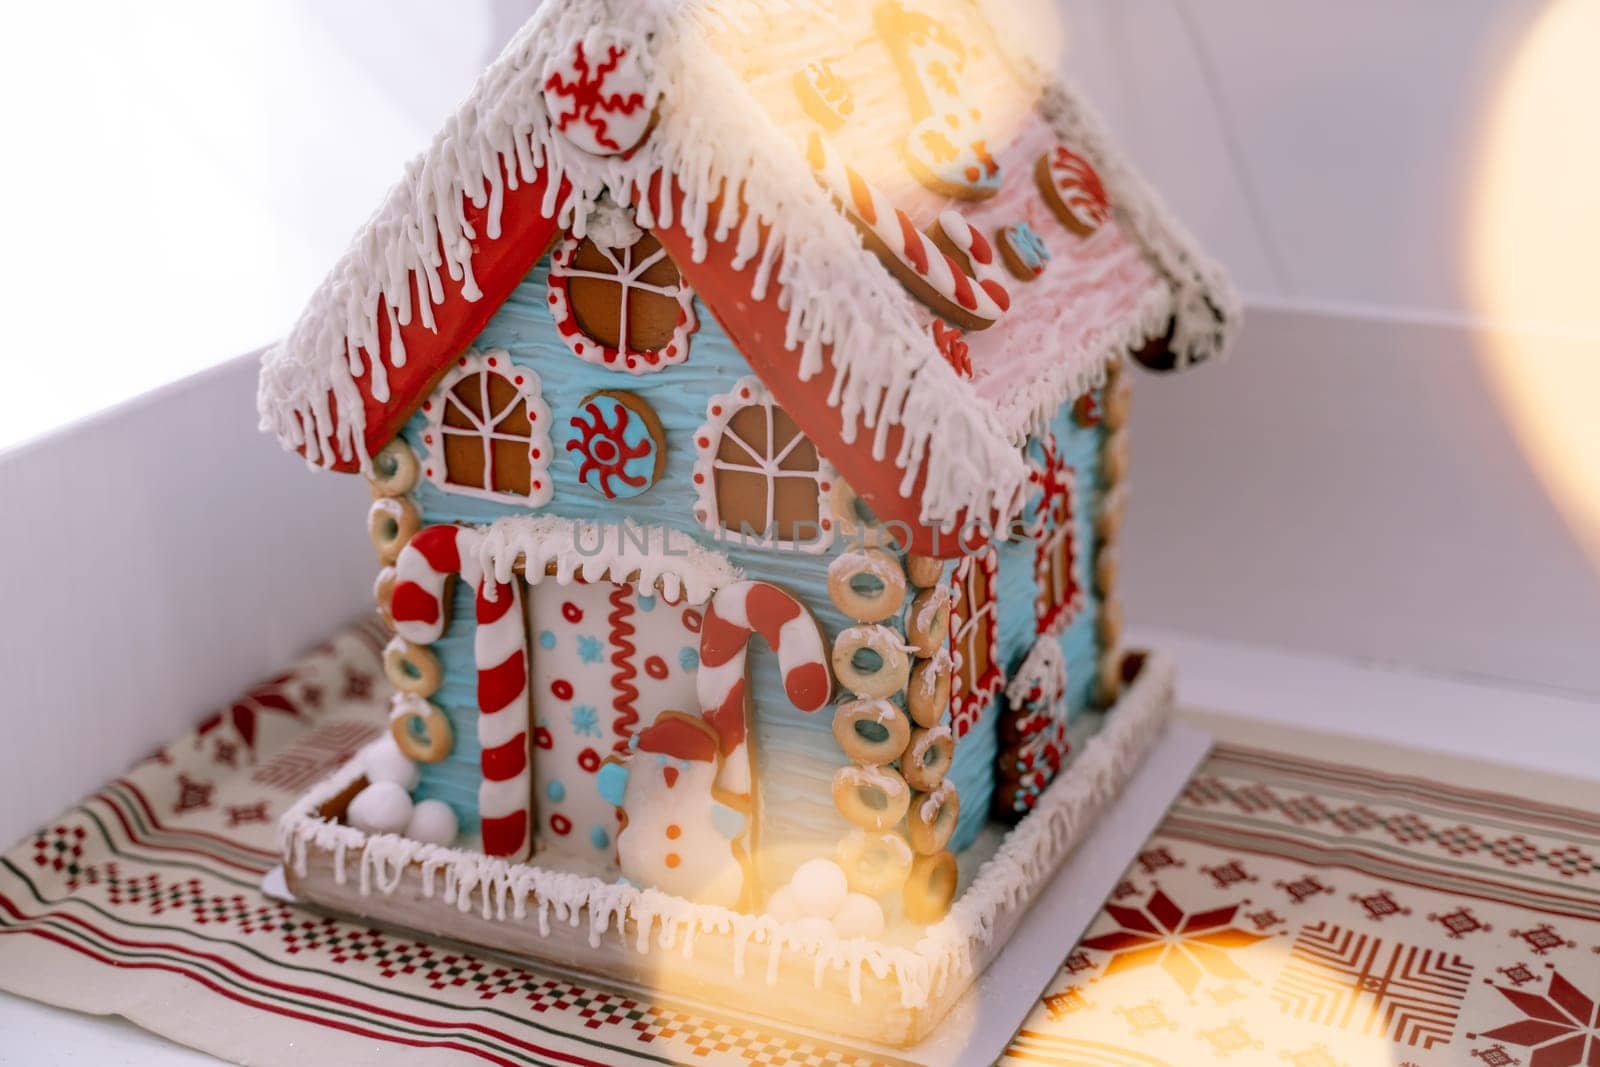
847	317
946	952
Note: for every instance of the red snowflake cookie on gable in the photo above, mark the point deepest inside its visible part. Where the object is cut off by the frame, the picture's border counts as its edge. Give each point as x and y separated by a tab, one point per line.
599	96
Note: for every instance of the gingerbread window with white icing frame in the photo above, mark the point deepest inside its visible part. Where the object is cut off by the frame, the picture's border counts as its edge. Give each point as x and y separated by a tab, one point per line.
758	479
488	431
617	298
1059	596
974	639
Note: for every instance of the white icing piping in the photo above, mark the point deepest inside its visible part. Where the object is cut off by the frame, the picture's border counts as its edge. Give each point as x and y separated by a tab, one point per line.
663	559
948	950
718	143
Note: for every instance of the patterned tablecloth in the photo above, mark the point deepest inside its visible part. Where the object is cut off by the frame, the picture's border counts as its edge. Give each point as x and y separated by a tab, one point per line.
1288	912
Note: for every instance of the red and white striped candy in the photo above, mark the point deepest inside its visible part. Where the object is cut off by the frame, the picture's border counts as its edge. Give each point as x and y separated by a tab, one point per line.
735	614
975	304
422	577
423	573
500	646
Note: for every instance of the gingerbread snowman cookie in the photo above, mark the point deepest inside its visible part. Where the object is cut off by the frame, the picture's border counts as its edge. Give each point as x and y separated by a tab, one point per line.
679	833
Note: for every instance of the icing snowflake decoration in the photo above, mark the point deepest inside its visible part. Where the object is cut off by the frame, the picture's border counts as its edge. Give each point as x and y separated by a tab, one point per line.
618	450
599	97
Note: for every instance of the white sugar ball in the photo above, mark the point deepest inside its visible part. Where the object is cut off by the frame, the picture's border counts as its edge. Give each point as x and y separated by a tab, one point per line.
819	887
813	927
859	916
384	762
380	808
433	822
781	905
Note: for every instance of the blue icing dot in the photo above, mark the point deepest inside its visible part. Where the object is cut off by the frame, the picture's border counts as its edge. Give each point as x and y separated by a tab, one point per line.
599	838
613	447
589	649
586	720
547	640
556	792
647	603
612	782
688	658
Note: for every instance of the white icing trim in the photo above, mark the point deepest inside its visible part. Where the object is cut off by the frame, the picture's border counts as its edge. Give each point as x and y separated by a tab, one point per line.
949	951
541	451
847	316
622	357
673	563
749	392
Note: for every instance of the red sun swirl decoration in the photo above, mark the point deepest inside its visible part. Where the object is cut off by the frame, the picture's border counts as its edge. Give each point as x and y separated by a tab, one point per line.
601	107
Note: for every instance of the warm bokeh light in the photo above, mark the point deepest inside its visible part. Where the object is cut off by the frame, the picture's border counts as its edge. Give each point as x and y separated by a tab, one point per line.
1535	228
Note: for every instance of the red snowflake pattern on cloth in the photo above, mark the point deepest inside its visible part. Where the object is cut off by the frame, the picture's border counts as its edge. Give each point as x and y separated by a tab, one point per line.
1560	1027
1186	947
244	716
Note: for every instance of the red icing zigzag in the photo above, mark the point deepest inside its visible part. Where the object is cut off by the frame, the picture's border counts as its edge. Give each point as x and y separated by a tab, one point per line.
622	659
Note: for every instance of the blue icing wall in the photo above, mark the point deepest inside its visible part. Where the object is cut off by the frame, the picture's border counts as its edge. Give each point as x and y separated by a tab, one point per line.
795	754
973	768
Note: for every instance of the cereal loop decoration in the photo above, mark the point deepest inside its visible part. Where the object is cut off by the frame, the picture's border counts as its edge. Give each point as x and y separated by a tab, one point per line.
931	819
411	668
867	585
1113	507
421	731
853	519
1023	251
391	523
870	661
925	572
395	469
383	593
928	691
1105	570
930	887
618	443
873	798
928	758
1114	457
875	863
1108	678
928	623
871	731
1110	628
1073	191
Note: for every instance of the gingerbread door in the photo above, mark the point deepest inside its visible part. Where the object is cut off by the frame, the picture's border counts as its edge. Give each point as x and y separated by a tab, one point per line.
605	662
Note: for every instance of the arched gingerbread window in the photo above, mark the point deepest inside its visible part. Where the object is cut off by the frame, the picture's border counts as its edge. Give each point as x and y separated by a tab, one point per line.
758	478
489	431
974	636
619	301
1059	594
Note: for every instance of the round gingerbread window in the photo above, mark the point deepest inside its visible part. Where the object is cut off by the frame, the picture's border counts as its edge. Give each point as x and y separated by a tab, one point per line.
624	307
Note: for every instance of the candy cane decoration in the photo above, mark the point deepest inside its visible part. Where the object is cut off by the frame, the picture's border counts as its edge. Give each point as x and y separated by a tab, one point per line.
956	297
505	796
423	574
735	613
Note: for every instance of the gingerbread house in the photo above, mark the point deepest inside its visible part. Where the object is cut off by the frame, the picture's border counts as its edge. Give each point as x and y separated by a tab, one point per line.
742	391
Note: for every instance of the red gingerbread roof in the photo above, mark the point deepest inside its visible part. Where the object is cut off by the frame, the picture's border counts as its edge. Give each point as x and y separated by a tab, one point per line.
838	184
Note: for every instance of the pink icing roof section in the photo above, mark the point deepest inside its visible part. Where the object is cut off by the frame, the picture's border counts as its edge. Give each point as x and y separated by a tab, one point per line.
1086	296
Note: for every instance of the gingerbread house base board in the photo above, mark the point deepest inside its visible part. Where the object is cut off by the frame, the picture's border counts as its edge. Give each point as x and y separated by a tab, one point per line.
894	995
